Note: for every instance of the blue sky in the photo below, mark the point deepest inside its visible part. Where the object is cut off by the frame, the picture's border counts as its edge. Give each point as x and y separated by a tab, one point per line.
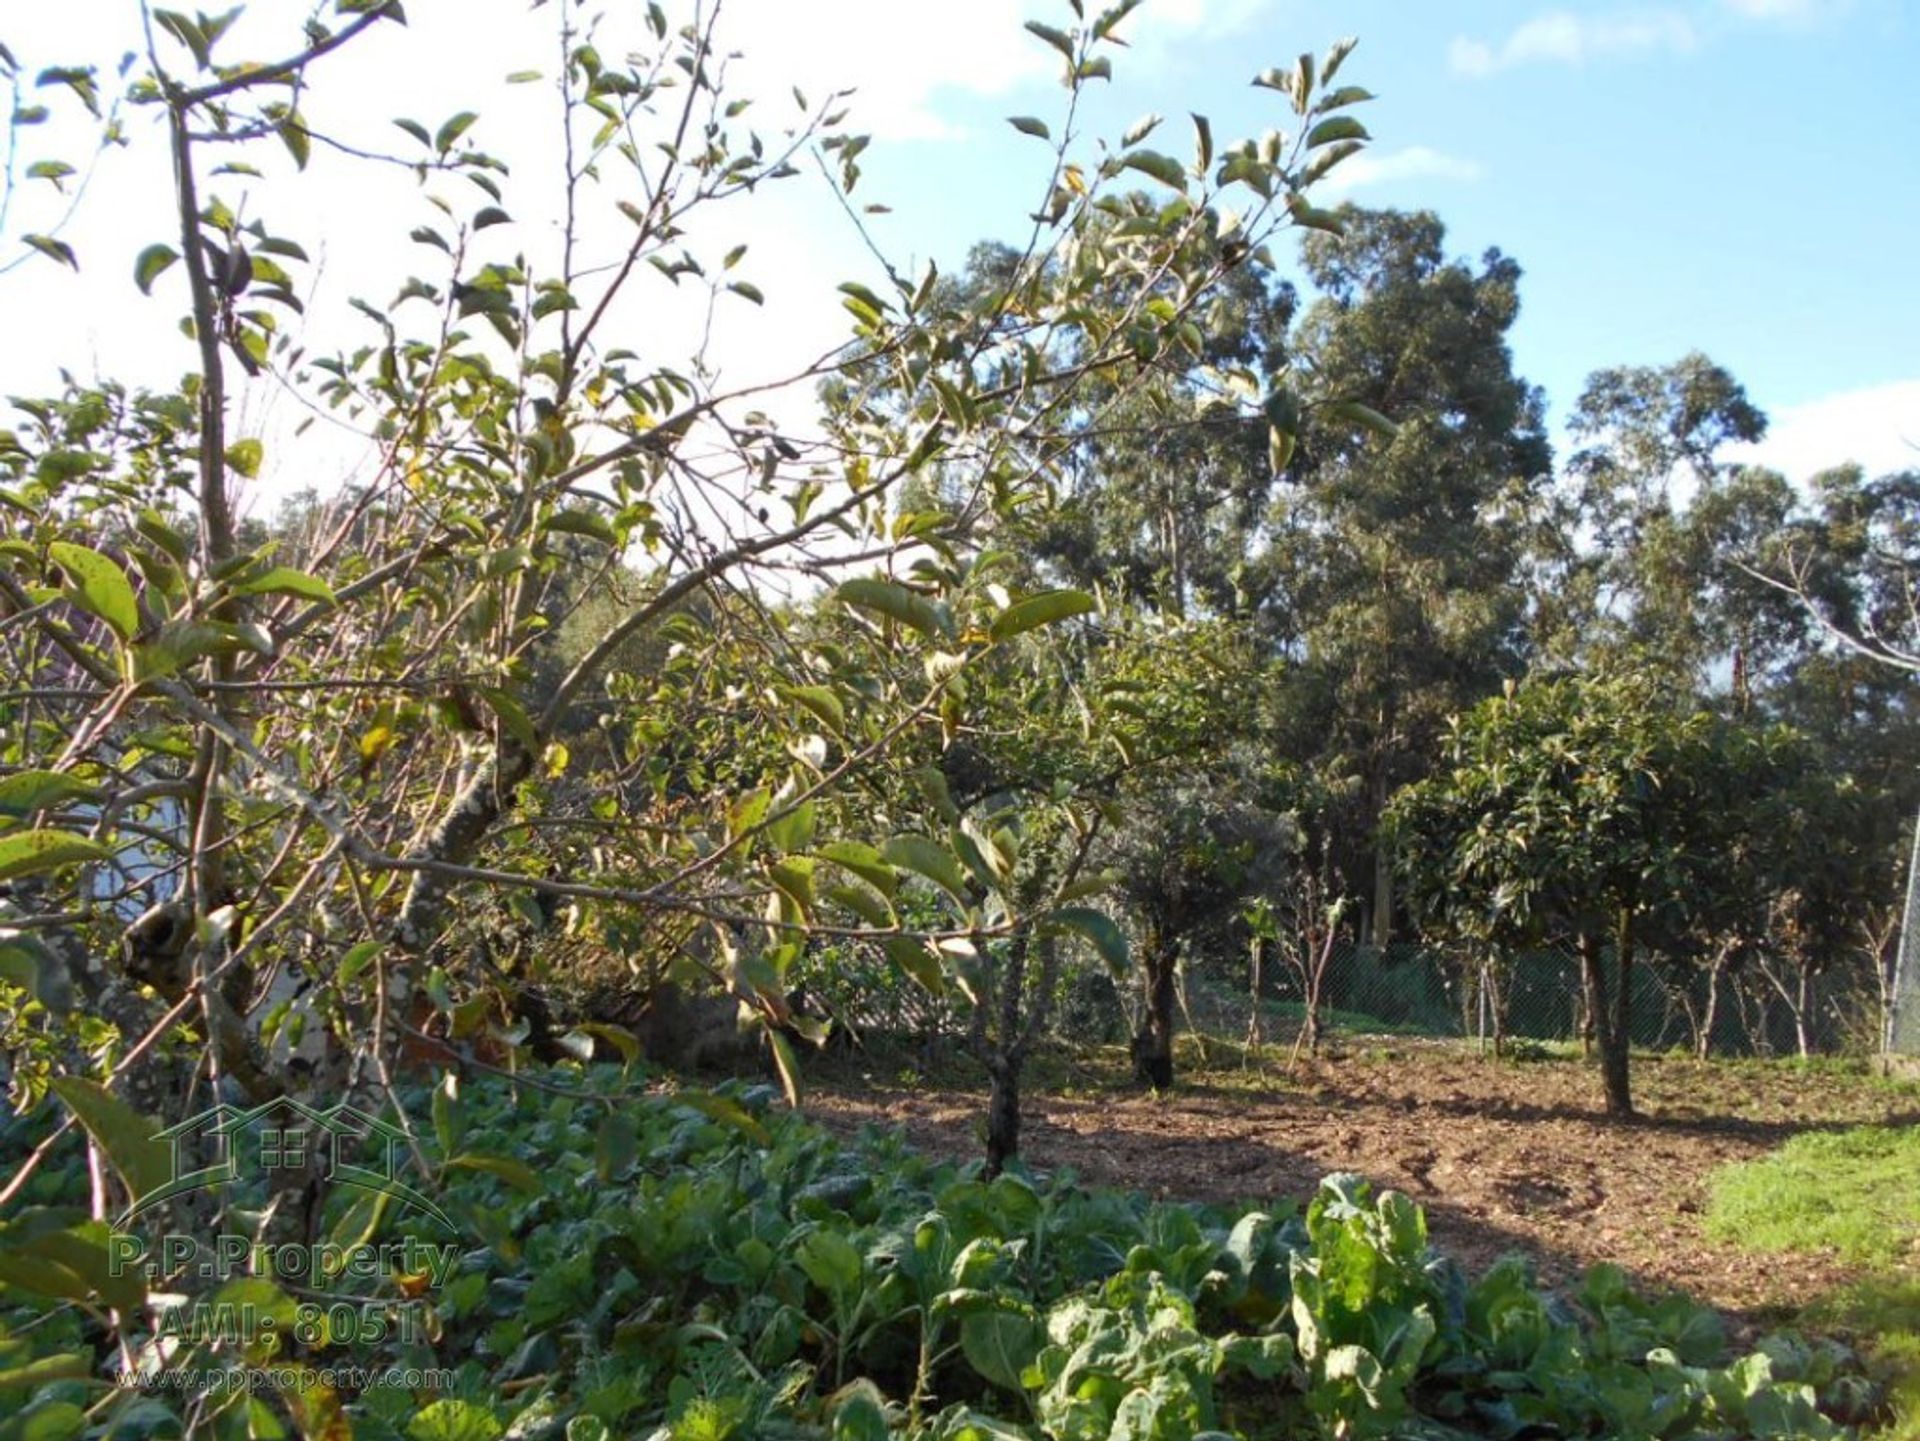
1736	176
1739	178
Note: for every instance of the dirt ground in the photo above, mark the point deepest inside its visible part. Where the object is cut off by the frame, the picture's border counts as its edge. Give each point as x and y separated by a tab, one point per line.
1504	1156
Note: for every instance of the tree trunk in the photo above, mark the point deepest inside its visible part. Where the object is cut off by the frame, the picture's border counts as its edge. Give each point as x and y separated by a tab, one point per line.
1256	971
1496	1009
1382	868
1616	1040
1003	1115
1603	1024
1153	1044
1802	1013
1703	1039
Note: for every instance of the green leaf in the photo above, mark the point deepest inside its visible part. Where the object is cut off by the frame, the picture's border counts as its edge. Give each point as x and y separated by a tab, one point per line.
24	792
1340	127
356	961
863	861
1202	143
794	830
514	1173
831	1262
727	1111
1163	168
513	718
491	215
1029	125
860	1417
616	1146
293	135
1346	95
124	1136
244	456
68	1366
37	1272
284	580
930	859
1310	217
1337	54
454	1421
895	602
916	960
864	901
1364	416
150	263
99	586
182	642
747	811
25	963
30	852
444	138
1034	611
584	522
1058	39
85	1251
1104	26
618	1037
1000	1344
57	249
1098	927
788	1065
823	703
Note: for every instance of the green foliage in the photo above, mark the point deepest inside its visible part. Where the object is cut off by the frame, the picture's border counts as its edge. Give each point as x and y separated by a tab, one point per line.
733	1272
1847	1193
1850	1192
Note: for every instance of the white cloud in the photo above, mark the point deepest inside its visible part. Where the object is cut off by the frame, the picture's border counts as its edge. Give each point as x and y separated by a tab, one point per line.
1781	9
1415	162
1877	427
903	60
898	59
1568	39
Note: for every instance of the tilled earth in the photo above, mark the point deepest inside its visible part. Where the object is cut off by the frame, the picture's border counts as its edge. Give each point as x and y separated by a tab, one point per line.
1503	1156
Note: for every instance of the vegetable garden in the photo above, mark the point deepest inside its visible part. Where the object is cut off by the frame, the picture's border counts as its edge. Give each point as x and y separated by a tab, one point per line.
1138	710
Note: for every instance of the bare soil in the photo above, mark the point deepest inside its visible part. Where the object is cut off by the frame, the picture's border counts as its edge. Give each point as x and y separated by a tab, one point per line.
1504	1156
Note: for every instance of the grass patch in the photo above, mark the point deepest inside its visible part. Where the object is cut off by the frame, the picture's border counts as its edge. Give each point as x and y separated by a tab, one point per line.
1854	1193
1851	1192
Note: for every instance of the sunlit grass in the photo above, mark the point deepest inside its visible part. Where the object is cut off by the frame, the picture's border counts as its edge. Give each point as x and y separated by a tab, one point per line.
1852	1192
1857	1194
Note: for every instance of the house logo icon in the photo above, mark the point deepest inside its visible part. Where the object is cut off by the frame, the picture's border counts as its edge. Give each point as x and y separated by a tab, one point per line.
342	1145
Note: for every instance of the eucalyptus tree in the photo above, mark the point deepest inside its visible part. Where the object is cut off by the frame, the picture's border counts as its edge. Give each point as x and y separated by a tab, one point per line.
1393	564
365	726
1663	522
1853	563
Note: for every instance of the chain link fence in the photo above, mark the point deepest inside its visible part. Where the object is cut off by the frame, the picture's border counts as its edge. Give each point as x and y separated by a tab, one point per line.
1758	1008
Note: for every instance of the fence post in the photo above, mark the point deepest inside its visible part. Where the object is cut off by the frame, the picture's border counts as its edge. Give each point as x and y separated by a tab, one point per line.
1903	1015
